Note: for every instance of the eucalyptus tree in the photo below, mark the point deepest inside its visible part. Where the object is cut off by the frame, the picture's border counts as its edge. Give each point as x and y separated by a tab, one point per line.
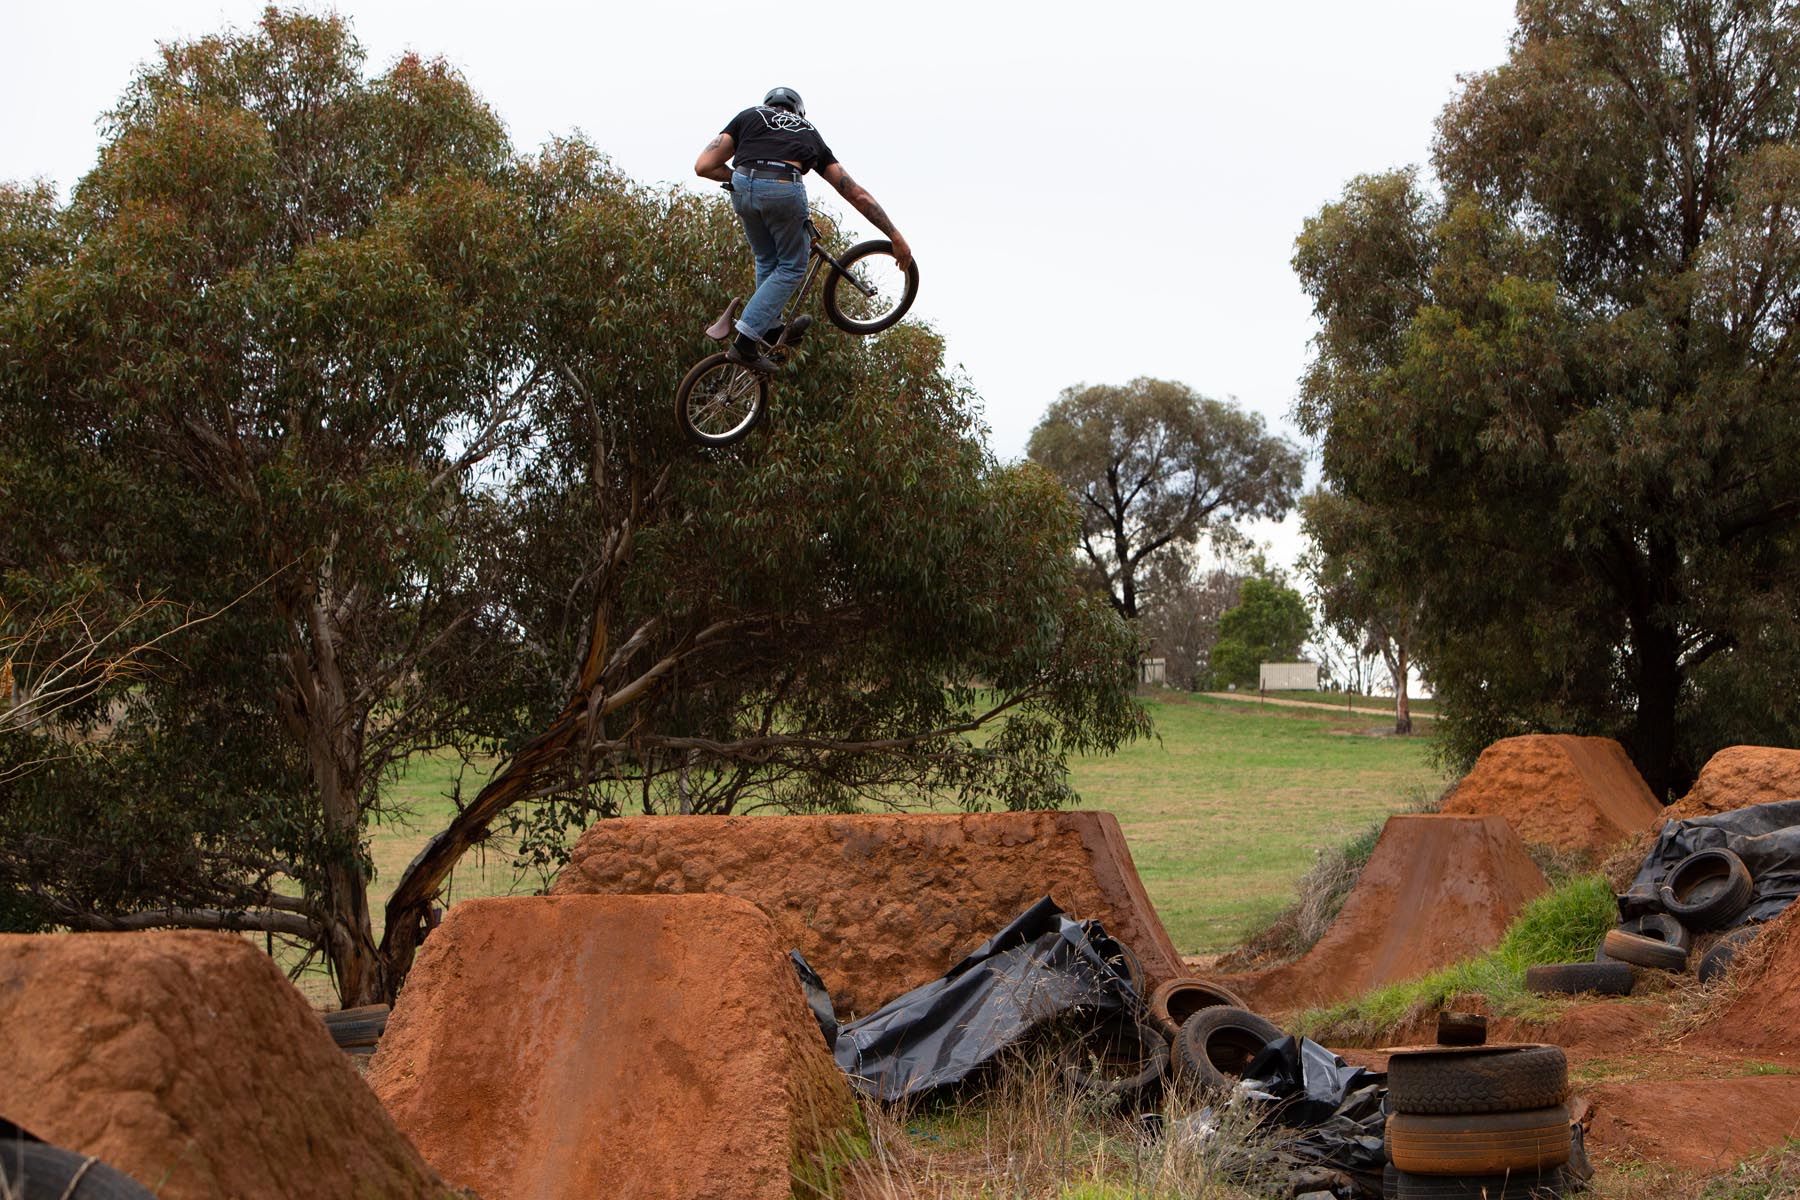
316	356
1559	387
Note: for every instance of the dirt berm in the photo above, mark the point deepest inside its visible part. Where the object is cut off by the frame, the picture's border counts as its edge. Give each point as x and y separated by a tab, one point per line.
1438	888
1574	793
881	904
634	1047
188	1061
1737	777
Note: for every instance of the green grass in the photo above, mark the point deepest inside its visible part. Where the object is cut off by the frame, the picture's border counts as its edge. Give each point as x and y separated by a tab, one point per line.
1564	925
1232	803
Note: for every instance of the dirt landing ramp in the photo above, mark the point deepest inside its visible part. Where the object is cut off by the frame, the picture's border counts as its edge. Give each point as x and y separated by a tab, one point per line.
1739	776
1574	793
1436	890
187	1061
882	904
633	1047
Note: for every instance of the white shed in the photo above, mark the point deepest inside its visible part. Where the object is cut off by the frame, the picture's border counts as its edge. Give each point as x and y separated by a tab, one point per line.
1288	677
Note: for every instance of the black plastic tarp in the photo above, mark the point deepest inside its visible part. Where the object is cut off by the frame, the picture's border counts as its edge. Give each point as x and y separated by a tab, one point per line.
1042	965
1765	836
1333	1118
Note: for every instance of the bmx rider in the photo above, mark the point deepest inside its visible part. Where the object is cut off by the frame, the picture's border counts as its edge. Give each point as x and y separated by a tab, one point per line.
775	145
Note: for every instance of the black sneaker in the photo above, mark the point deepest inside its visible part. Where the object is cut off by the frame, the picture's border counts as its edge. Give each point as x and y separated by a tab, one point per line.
796	328
746	351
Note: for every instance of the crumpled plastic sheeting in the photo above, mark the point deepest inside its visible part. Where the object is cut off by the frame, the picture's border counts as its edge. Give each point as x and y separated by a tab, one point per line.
1765	836
1042	965
1334	1109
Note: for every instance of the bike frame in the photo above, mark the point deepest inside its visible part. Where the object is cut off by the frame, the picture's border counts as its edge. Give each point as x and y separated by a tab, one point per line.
817	259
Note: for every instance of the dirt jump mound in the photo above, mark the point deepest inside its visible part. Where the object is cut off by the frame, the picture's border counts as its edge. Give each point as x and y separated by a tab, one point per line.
188	1061
1574	793
1438	889
882	904
1737	777
637	1047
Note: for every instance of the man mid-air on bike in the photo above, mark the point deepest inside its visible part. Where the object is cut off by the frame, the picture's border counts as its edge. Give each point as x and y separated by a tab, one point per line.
775	146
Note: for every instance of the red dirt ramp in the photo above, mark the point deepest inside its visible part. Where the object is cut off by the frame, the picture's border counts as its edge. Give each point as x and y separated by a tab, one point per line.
1739	776
189	1062
1436	890
1574	793
638	1048
881	904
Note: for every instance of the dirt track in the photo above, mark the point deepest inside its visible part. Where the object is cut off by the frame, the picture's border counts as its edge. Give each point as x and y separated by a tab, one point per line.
1373	713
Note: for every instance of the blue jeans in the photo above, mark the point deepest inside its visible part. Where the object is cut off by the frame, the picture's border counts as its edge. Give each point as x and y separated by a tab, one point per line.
774	215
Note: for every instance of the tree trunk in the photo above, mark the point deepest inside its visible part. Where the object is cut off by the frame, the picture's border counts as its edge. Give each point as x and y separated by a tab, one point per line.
1402	708
1659	691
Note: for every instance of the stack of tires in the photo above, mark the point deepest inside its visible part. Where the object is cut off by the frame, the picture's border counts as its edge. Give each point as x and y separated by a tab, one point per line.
1704	892
1478	1123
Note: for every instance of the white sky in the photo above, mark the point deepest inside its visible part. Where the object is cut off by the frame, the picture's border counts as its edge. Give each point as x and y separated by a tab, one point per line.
1094	192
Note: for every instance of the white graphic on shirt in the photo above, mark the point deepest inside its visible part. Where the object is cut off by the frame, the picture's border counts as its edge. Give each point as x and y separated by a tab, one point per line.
783	121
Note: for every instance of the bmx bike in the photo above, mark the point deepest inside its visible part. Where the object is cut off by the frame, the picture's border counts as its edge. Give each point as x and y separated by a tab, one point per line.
720	401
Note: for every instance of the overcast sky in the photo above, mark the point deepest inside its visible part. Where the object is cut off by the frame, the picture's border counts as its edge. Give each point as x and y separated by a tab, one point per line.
1093	191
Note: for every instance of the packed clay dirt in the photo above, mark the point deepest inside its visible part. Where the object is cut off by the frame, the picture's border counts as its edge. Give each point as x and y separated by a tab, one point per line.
1437	889
188	1061
1578	794
1737	777
882	904
644	1047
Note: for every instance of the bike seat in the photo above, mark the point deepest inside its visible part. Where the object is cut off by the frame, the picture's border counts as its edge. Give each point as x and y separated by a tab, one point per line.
722	328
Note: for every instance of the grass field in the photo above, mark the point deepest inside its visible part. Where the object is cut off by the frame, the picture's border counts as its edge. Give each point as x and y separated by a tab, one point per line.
1226	809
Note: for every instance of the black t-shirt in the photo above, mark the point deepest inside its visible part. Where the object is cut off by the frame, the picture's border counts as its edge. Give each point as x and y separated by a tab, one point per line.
778	135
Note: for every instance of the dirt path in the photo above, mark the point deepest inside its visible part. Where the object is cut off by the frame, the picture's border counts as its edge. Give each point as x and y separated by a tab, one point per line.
1252	698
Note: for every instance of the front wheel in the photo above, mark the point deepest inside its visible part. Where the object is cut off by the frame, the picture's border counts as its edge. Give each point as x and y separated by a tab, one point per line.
719	401
871	293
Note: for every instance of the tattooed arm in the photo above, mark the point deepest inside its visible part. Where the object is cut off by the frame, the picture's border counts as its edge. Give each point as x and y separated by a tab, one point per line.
868	206
713	162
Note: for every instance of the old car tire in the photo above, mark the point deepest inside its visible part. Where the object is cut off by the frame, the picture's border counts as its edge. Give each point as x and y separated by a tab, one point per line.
1644	952
353	1027
1120	1057
1707	889
1607	978
37	1171
1480	1143
1717	961
1217	1044
1461	1029
1515	1185
1175	1000
1662	927
1504	1079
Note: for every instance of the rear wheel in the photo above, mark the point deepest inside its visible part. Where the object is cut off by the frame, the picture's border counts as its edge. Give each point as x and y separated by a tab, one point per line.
719	401
875	293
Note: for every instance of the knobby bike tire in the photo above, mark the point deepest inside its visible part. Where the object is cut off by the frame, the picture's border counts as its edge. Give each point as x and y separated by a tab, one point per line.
1480	1143
836	303
1503	1080
692	398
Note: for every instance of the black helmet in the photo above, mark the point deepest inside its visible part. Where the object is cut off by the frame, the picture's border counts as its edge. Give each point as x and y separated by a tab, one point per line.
786	97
